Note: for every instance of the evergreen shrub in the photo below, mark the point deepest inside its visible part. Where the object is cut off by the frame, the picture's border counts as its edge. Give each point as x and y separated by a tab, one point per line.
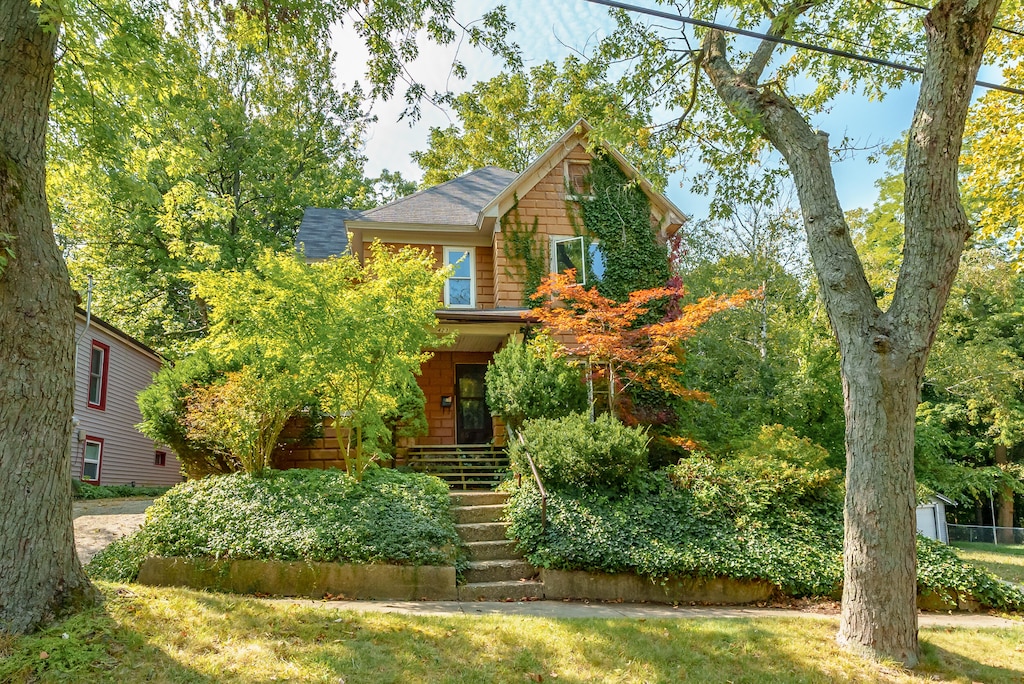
573	452
527	381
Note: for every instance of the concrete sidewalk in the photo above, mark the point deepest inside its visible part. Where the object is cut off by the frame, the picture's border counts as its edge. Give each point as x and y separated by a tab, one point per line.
641	611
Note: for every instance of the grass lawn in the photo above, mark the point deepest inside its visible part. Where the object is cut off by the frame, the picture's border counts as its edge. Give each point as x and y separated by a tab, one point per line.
177	635
1005	561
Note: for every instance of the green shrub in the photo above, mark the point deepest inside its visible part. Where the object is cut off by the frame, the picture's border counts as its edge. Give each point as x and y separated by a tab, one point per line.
164	404
312	515
527	381
740	520
660	529
575	452
87	492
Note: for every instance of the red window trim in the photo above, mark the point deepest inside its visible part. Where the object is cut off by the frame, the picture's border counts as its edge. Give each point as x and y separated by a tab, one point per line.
99	463
102	405
160	458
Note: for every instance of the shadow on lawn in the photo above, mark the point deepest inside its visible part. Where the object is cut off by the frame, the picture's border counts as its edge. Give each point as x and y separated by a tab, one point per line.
97	649
377	647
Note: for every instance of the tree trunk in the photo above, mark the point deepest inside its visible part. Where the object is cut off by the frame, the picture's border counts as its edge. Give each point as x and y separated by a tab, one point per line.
1005	536
39	572
883	353
879	559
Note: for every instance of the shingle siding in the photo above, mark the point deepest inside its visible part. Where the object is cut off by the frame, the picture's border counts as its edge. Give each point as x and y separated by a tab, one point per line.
128	455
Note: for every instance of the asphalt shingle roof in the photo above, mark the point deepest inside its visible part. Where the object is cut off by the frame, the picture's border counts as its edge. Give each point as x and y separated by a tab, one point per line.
458	202
322	232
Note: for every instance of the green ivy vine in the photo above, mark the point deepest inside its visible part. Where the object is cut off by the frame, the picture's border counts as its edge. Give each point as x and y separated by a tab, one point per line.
523	252
618	214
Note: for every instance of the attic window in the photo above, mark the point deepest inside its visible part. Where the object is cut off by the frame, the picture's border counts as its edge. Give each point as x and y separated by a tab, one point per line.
576	178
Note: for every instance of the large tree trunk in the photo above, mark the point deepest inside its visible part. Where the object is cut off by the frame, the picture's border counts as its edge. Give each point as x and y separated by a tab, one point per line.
883	353
879	559
39	571
1005	520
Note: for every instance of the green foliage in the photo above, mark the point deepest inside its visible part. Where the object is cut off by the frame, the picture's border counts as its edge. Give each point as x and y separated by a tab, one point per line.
164	405
352	335
527	381
311	515
87	492
662	529
940	569
188	137
575	452
618	214
244	415
780	521
513	118
523	252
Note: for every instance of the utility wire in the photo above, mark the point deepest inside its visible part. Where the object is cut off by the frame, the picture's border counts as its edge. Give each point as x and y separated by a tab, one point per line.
906	3
786	41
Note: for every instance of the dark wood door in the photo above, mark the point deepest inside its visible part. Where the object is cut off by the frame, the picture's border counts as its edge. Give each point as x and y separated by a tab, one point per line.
472	419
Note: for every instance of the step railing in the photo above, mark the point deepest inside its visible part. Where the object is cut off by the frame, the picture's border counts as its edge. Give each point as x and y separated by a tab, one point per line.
460	465
540	485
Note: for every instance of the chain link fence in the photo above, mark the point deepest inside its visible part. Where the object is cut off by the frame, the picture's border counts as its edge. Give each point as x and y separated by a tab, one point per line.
985	533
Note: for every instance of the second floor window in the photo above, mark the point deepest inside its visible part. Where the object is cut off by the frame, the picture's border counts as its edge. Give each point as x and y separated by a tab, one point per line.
460	288
98	364
580	254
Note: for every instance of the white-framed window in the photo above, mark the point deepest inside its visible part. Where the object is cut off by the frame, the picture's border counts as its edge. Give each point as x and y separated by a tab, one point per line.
460	288
577	252
92	458
99	362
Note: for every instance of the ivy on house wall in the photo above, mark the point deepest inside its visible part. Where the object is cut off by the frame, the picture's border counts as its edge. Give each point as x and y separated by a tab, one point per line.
617	213
523	252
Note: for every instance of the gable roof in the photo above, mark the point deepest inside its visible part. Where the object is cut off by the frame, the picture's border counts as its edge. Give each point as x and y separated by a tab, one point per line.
454	203
469	203
578	134
322	233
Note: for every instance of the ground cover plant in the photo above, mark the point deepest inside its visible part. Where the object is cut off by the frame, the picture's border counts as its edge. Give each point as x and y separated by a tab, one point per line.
772	511
177	635
1005	561
312	515
85	492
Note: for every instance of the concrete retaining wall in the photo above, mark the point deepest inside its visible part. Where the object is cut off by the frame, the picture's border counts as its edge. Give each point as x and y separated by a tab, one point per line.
296	578
560	584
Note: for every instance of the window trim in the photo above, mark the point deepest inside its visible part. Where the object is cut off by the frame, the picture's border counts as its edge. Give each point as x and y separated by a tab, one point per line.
471	252
104	375
99	460
570	189
160	458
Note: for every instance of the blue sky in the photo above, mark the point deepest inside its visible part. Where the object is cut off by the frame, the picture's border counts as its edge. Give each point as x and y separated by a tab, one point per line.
548	30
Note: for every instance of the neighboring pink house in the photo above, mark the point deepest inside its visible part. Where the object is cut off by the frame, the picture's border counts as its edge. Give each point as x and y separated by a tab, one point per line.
106	449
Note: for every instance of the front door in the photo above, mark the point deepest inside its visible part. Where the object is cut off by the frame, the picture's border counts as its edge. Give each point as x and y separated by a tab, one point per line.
472	419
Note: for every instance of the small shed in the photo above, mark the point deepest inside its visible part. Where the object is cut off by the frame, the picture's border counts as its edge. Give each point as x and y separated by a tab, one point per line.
931	518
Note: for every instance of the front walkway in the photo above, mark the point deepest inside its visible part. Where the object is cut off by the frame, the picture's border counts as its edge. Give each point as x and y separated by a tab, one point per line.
642	611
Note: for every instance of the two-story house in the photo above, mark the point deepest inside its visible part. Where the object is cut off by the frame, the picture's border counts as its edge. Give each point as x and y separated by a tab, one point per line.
111	369
465	223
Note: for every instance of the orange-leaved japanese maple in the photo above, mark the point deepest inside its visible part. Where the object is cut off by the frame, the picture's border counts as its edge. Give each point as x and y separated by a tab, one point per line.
612	337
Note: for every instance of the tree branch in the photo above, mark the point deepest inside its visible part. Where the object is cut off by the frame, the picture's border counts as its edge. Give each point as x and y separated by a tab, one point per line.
936	224
844	287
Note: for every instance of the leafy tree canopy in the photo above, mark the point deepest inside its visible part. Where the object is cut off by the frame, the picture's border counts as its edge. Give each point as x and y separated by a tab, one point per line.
509	120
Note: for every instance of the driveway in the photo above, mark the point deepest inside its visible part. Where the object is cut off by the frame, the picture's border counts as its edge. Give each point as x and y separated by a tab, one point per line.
99	522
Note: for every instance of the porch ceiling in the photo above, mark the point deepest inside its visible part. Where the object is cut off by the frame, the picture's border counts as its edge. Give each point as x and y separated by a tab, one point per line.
478	337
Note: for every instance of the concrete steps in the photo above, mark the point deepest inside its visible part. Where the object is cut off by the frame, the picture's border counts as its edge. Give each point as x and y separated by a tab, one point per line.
496	571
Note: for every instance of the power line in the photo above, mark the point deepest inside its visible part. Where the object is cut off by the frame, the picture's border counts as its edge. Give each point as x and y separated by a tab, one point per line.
787	41
996	27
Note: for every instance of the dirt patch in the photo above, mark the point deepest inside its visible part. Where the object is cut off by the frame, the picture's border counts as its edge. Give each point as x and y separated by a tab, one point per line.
97	523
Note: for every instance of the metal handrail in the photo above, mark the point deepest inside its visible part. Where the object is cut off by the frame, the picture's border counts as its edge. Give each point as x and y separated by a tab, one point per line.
540	486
